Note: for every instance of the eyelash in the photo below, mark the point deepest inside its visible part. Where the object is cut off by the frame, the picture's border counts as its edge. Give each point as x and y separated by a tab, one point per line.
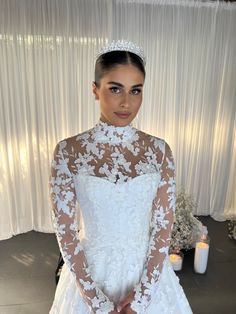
136	91
116	90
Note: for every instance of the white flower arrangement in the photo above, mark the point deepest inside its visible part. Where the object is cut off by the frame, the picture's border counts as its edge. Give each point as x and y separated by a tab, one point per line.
232	228
186	228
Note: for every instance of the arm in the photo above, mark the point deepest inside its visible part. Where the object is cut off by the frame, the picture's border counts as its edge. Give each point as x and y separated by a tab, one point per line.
161	226
63	200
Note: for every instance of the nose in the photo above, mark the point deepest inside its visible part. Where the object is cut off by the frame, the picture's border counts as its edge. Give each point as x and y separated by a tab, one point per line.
125	101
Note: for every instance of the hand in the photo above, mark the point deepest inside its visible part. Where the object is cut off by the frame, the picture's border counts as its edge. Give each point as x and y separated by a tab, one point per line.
122	305
128	310
115	312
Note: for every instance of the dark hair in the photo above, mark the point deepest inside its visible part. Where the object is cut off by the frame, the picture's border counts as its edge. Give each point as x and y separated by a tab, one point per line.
109	60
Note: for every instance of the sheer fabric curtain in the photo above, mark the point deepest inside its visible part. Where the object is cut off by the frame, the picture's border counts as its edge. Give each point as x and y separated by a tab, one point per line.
47	53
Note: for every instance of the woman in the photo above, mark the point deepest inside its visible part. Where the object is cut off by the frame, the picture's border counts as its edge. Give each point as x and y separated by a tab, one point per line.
116	185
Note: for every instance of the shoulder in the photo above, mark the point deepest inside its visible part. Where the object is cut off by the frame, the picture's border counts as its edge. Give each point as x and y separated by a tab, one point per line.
73	143
158	144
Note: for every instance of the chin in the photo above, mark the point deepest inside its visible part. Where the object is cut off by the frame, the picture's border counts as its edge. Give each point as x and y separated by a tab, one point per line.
122	122
117	122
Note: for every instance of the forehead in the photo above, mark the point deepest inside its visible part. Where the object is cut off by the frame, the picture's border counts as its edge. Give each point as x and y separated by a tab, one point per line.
126	74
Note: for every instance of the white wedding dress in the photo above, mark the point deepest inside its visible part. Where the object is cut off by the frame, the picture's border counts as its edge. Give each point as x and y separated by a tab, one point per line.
116	186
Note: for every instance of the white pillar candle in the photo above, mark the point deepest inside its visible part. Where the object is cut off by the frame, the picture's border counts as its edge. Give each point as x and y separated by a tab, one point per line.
176	261
201	257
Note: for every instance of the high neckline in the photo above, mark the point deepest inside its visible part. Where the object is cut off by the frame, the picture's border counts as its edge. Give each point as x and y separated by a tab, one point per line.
105	132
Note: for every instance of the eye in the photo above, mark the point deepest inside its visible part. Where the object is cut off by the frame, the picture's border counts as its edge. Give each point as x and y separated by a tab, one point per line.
136	91
115	89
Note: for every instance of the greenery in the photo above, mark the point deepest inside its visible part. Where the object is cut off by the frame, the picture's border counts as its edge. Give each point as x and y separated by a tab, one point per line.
187	228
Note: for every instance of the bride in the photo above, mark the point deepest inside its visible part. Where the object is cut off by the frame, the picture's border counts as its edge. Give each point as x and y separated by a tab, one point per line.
113	197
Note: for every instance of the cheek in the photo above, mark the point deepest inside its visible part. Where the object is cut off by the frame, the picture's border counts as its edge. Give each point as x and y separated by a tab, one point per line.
138	102
108	100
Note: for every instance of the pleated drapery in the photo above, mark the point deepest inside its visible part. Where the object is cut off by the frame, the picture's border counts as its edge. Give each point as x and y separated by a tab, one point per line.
47	50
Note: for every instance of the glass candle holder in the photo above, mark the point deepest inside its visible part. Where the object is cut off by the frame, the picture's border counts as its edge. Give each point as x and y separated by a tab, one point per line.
201	254
176	259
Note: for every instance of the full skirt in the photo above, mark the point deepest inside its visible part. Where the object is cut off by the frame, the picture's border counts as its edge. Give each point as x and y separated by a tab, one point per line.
169	298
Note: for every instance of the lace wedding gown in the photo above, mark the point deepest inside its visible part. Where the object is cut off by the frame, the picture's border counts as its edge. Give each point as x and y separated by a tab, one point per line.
113	198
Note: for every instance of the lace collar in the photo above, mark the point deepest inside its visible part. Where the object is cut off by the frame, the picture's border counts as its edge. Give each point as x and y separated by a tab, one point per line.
104	132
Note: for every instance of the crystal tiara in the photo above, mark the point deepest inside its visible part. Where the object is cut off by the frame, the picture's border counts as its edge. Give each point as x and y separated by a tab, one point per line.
122	45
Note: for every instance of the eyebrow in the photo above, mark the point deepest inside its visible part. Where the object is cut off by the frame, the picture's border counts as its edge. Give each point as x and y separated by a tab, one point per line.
121	85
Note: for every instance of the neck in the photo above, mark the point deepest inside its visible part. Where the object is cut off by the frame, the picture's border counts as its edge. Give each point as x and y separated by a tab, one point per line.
103	120
108	124
105	132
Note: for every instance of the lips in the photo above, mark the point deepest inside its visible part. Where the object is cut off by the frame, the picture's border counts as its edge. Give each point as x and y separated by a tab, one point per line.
123	115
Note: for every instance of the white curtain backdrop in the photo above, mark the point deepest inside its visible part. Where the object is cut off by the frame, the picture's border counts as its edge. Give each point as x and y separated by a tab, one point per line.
47	50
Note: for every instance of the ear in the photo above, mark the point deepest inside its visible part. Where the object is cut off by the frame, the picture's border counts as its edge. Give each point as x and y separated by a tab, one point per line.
95	90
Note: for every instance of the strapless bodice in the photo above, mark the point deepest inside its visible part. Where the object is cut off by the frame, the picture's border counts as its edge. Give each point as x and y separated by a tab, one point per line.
115	213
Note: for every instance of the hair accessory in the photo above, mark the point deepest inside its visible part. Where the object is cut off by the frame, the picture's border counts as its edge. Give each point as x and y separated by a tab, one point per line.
123	45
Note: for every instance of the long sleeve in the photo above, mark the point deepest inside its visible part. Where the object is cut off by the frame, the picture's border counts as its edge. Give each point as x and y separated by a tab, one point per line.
161	226
63	200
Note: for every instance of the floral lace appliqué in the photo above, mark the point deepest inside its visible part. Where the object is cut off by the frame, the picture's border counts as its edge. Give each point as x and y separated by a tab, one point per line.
118	155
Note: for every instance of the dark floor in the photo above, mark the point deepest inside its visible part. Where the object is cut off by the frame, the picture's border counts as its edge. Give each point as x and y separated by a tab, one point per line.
28	262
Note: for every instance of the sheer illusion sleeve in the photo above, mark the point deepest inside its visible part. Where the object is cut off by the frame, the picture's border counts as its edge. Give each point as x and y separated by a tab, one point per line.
161	226
63	200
